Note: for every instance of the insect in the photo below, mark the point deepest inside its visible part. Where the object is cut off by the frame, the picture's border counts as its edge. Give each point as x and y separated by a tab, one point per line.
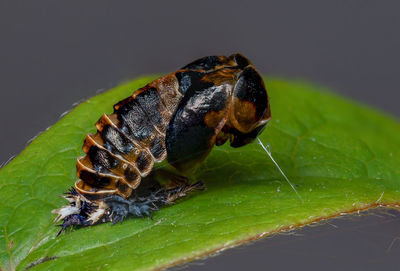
178	118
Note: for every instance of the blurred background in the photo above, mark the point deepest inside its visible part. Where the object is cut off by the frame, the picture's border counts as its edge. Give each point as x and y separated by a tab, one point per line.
54	54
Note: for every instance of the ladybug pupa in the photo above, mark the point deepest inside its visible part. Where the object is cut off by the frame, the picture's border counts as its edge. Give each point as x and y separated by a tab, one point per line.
178	118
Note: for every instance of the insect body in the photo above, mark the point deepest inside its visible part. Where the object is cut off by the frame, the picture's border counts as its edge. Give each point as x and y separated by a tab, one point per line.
178	117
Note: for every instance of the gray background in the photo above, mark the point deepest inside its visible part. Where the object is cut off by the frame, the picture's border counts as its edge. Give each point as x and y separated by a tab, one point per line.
53	54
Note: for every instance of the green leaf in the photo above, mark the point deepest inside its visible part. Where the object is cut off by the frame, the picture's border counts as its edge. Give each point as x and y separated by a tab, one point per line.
342	157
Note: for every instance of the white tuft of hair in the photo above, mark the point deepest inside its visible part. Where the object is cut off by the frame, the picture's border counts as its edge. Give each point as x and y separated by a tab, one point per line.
65	211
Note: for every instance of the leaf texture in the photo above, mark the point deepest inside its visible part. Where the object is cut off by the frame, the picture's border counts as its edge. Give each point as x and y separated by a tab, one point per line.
341	156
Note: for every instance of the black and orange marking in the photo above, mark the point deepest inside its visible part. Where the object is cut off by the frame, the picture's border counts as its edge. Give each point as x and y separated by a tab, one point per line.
178	117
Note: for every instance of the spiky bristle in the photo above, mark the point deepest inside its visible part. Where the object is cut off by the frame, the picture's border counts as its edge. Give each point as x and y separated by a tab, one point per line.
82	212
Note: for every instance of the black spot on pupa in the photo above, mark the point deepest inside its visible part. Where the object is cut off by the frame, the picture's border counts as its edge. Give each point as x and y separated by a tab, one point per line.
116	141
156	148
142	162
205	63
191	80
101	159
94	178
134	121
122	187
250	88
150	102
130	174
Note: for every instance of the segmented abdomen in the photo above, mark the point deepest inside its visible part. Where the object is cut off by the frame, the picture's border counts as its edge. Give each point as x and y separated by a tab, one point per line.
129	141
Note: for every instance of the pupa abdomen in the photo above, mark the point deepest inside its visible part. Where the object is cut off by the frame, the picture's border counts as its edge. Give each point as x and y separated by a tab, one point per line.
129	141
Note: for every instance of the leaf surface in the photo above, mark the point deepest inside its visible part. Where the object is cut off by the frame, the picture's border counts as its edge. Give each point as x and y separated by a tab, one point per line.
341	156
